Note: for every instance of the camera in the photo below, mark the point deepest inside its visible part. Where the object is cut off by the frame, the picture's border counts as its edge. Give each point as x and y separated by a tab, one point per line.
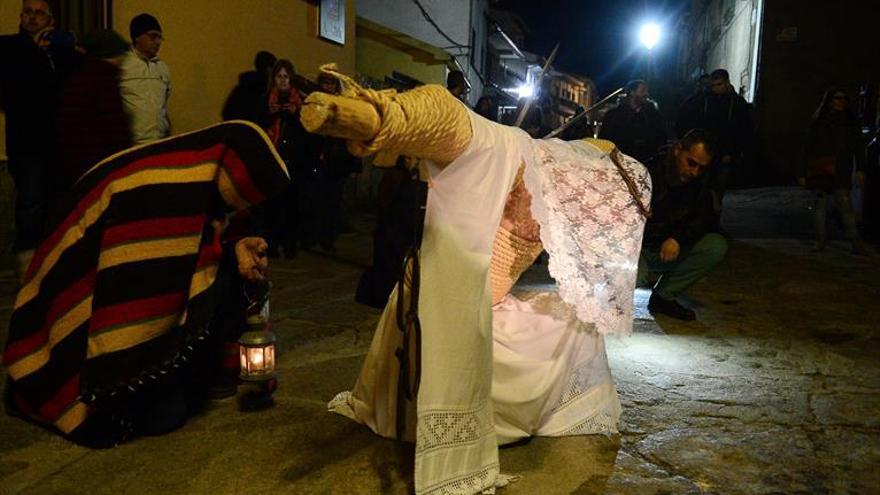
283	97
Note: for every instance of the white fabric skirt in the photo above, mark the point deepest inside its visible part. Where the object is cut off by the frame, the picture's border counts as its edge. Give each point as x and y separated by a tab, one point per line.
550	371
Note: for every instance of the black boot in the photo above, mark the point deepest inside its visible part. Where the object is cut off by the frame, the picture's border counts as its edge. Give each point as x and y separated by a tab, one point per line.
670	308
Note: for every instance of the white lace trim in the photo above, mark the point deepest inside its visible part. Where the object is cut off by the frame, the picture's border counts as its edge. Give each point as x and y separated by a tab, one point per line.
341	404
591	227
583	379
603	422
483	481
447	428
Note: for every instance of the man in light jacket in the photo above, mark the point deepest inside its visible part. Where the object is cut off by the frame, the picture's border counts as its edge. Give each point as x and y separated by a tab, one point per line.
145	82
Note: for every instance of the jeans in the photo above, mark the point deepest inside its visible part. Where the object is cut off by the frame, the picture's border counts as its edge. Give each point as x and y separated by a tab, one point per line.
847	215
690	266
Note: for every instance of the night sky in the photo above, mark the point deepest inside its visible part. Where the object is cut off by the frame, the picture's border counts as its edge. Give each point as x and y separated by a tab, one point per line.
598	39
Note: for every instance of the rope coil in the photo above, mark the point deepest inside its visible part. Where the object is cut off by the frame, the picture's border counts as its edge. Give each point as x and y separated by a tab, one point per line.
425	122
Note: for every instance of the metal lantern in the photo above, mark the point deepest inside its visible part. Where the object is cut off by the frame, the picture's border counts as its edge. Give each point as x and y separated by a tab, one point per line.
257	351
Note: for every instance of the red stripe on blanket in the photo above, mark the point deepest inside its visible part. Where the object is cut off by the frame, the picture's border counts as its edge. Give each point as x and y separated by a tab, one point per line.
139	309
53	408
153	228
66	300
241	178
170	159
210	254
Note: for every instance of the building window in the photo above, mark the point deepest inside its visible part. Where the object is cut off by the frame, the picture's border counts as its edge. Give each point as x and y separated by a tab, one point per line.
83	16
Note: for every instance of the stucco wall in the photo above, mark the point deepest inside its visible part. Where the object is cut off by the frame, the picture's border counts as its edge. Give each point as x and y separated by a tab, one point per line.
378	60
9	10
207	46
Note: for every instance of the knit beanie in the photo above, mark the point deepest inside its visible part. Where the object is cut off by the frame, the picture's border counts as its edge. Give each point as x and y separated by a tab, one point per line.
105	43
142	23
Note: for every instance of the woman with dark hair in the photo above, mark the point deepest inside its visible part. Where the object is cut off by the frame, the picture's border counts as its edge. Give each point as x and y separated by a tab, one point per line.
486	108
834	146
278	216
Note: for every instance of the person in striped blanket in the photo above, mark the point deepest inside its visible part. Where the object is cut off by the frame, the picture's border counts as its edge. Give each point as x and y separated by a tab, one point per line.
119	327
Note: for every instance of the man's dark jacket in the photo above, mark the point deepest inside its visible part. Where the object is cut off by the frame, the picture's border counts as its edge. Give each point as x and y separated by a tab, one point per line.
680	211
636	132
728	117
28	93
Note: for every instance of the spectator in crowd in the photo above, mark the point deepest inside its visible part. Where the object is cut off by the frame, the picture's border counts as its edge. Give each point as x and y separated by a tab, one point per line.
678	240
401	197
246	99
702	87
535	121
635	125
486	108
282	102
145	82
834	148
91	121
727	116
457	85
320	200
693	104
579	130
32	66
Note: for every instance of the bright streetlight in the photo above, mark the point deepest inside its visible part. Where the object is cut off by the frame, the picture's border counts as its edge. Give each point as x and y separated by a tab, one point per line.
525	91
649	34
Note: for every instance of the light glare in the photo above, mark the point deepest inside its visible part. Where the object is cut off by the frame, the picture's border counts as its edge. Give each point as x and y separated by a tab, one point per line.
649	35
525	91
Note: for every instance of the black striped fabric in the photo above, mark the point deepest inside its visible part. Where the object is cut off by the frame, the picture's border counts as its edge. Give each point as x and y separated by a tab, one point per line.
122	286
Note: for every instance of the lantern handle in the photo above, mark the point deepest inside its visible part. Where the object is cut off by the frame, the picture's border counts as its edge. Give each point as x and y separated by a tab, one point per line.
257	297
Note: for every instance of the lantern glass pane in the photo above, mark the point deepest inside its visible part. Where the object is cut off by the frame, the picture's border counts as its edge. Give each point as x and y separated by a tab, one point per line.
270	358
242	354
256	360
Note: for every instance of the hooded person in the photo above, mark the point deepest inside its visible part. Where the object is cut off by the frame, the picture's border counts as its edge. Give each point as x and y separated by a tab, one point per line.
496	198
91	120
119	326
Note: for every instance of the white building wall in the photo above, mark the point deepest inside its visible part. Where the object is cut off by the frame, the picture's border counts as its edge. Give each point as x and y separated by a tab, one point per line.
462	20
733	48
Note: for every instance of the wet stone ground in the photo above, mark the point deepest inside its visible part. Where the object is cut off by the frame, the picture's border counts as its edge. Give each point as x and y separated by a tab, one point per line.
775	389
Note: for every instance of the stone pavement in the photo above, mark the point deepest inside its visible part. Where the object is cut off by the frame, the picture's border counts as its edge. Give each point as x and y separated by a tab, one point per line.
774	390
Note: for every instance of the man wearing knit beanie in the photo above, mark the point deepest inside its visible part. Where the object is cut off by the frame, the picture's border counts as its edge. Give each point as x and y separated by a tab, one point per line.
145	83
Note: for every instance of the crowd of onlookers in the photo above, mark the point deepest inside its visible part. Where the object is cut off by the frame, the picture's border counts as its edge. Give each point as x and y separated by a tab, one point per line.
70	103
309	213
692	163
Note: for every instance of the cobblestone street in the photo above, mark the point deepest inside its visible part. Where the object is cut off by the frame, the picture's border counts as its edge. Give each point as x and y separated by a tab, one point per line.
775	389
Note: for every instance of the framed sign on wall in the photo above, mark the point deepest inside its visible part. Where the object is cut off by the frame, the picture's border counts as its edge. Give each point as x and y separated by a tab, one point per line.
331	20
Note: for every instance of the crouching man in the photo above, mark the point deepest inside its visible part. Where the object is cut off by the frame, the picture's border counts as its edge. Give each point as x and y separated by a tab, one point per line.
678	240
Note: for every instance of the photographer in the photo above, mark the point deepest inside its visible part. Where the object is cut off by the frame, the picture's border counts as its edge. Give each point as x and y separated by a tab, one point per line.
32	65
278	216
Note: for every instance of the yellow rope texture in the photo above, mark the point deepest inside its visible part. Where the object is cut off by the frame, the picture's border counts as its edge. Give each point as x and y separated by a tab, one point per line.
426	122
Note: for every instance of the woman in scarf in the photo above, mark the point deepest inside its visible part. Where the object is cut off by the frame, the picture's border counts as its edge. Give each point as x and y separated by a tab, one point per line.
120	322
281	122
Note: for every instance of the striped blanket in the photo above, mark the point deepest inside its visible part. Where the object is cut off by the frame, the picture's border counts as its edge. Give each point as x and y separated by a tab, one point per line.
120	290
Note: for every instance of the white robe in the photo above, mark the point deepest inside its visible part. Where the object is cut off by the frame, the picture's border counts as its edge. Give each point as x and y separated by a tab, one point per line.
455	424
551	374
